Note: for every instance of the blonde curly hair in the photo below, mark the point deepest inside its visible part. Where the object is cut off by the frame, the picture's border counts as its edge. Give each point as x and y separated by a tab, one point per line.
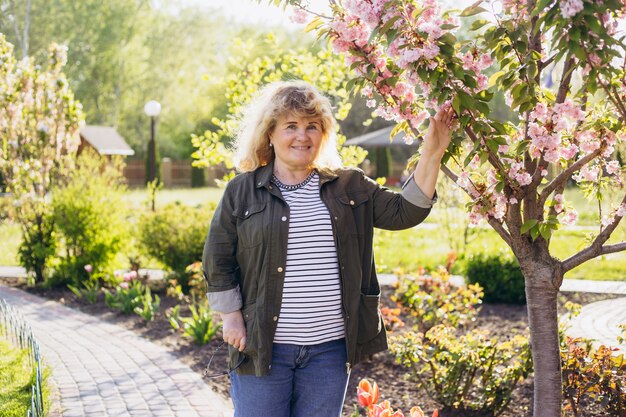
251	147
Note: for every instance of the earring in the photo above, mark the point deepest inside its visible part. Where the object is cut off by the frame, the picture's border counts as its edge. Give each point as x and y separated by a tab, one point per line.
271	144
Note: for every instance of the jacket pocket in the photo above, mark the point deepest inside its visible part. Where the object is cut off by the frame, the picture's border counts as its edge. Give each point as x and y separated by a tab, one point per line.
353	200
250	319
370	320
250	224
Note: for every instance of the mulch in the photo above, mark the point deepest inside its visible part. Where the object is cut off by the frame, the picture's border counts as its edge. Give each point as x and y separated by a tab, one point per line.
501	320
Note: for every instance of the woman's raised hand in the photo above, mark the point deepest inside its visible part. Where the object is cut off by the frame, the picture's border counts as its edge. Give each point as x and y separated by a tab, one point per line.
438	136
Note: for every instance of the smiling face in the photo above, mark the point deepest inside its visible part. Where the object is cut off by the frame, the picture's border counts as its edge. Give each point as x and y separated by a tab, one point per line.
296	141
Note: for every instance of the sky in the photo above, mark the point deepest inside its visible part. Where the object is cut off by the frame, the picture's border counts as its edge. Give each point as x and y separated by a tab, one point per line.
251	11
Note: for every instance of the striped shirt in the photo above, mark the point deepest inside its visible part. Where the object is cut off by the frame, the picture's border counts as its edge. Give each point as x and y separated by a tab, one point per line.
311	310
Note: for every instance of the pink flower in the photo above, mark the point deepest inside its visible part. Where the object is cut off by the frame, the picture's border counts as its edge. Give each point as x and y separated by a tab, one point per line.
523	178
124	285
88	268
613	167
570	217
299	15
570	8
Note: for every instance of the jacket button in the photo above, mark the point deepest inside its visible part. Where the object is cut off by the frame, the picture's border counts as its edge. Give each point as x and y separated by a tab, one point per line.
246	213
351	202
259	184
275	318
335	217
271	188
284	218
279	269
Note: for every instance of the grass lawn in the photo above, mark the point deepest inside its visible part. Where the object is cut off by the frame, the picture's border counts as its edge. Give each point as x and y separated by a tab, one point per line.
10	236
15	381
426	245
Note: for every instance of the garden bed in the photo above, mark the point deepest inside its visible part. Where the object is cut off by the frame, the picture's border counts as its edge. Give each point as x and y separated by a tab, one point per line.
501	320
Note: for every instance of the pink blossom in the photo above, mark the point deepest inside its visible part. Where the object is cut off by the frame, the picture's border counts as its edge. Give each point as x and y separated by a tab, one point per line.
621	210
124	285
523	178
503	148
570	217
570	8
126	276
568	152
544	172
559	198
88	268
298	15
513	200
613	167
482	81
133	275
371	103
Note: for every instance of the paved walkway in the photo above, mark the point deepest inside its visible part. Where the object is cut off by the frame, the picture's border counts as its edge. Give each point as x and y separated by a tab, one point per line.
101	369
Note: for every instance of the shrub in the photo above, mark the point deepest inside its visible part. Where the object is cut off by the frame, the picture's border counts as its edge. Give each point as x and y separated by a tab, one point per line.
433	300
468	373
149	307
592	376
89	219
127	295
200	326
499	276
175	236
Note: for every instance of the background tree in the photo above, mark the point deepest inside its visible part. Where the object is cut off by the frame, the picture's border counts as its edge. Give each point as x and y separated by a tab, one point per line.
39	121
407	58
247	75
122	53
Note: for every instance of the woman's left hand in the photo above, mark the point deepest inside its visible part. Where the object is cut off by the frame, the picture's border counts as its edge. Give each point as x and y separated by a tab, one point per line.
438	136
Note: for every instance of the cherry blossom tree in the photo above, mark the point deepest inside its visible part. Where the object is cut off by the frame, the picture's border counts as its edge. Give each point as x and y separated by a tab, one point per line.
39	121
407	60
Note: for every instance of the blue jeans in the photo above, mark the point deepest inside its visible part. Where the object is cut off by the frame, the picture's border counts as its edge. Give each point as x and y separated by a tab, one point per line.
304	381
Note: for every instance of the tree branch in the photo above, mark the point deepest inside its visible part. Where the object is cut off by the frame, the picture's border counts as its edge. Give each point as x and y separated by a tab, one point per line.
566	78
565	175
596	248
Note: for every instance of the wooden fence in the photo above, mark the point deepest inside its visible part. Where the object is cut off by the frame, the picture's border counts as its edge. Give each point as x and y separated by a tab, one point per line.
174	174
15	329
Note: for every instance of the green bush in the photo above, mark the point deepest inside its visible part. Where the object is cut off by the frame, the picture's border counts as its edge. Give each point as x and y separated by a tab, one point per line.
89	220
499	275
471	373
175	235
433	300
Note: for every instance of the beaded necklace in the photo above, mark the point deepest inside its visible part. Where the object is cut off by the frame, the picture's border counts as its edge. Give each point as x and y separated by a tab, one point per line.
294	186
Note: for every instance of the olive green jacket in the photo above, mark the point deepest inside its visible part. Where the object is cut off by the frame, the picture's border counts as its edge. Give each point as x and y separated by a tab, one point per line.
245	252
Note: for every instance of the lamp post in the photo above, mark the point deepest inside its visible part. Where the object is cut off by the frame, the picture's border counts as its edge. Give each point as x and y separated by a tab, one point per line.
152	109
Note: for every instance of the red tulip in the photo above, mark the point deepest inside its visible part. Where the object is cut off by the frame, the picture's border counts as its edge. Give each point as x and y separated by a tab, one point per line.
367	394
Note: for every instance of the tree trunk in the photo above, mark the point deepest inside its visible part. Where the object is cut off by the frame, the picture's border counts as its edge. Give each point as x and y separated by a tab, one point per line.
542	282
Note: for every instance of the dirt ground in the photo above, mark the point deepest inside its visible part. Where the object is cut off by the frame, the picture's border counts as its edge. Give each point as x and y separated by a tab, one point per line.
501	320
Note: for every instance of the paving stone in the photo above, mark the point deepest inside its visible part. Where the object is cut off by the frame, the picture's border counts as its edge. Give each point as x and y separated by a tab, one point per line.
108	371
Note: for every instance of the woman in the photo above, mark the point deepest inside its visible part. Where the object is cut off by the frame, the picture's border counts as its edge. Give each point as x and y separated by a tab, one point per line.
289	261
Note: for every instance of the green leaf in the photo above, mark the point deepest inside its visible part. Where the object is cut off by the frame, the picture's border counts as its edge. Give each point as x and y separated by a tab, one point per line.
528	224
477	24
545	231
456	105
472	10
388	24
313	24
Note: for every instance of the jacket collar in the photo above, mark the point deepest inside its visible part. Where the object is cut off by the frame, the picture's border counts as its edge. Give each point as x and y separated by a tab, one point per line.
263	175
